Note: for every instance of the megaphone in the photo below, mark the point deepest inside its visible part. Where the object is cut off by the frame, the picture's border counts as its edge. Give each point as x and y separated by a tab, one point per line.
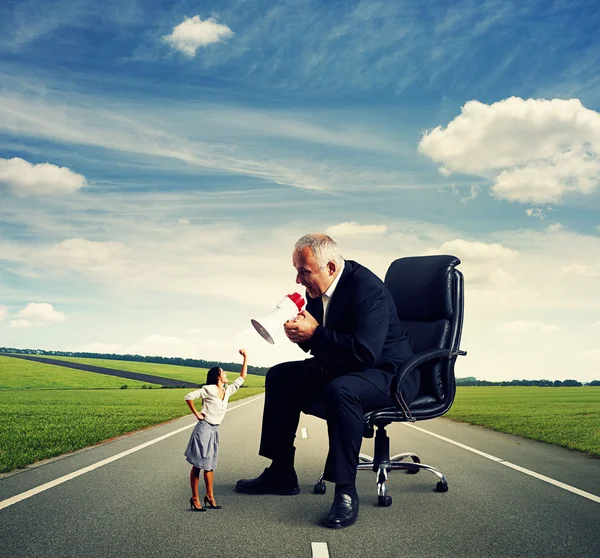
269	326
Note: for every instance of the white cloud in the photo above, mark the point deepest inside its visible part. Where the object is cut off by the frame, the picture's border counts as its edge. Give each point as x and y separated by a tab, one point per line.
540	212
352	228
20	324
583	270
549	179
194	33
3	313
554	227
477	250
183	221
38	314
88	255
474	192
25	179
534	150
524	326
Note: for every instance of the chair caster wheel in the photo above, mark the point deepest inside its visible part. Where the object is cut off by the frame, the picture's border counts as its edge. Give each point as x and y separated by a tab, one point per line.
441	487
320	488
385	501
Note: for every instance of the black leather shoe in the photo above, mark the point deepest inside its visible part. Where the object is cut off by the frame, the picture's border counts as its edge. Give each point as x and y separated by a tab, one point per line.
270	483
343	513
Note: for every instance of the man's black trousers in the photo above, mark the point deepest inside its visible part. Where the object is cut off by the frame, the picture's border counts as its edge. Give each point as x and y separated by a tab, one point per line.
292	387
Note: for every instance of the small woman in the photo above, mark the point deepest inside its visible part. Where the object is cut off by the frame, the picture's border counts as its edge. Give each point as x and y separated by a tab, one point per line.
203	448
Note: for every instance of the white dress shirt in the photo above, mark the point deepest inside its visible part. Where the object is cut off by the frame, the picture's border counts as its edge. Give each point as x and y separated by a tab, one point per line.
326	297
213	406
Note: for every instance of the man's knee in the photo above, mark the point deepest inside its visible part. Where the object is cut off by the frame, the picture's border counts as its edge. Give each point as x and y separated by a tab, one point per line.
339	392
281	375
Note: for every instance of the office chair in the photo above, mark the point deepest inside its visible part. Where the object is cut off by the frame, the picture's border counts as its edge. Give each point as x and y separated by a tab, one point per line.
428	292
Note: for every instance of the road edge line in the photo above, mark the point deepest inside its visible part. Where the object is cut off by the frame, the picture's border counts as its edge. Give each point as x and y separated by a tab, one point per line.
529	472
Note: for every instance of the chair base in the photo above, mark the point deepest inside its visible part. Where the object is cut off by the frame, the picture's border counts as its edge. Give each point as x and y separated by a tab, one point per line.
382	464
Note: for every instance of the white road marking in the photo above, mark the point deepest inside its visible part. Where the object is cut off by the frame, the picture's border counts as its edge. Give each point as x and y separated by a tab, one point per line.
544	478
65	478
319	550
304	433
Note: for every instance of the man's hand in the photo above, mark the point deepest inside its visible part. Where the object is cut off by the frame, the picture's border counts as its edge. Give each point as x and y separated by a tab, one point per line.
302	328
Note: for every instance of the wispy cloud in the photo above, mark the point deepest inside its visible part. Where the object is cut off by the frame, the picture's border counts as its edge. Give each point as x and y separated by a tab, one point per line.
353	229
386	45
210	144
477	249
540	212
26	23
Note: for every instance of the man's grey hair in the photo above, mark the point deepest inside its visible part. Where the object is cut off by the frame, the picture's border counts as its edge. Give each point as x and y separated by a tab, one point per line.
323	247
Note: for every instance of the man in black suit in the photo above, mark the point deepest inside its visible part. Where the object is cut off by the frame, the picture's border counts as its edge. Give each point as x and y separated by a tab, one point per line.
351	328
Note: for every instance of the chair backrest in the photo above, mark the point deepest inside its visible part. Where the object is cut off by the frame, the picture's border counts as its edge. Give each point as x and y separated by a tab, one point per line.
428	292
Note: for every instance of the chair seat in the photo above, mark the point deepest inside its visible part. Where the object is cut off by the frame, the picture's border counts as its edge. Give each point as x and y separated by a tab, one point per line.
422	408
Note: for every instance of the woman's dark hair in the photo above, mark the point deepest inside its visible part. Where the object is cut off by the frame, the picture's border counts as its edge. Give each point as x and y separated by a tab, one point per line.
212	376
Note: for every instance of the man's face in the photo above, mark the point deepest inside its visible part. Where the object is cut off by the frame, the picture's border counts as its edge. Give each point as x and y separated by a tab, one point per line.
315	280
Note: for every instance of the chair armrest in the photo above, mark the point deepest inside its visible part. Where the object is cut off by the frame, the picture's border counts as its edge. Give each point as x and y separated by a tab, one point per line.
420	358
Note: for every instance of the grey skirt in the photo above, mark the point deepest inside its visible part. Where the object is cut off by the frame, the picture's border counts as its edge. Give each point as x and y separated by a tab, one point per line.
203	448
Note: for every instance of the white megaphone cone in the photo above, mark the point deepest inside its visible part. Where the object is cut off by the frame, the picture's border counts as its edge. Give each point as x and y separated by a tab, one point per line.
269	326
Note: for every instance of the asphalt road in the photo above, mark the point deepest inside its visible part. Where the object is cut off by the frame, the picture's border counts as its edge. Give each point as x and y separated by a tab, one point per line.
137	505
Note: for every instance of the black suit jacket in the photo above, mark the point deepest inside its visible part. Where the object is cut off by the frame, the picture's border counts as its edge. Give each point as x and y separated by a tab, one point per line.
363	332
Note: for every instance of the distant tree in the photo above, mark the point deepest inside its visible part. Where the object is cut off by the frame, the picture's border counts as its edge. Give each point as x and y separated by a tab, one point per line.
197	363
468	381
262	371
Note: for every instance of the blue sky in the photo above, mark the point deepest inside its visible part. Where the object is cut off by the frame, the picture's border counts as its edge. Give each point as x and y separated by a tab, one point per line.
158	160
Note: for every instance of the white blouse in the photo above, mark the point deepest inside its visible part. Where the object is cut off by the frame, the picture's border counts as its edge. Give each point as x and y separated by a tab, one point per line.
213	406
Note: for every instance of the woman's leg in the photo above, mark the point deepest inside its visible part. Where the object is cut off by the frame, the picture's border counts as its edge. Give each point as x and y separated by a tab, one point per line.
208	481
194	477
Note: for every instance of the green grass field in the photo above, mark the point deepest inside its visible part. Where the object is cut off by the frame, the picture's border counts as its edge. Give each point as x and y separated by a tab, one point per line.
38	424
564	416
24	374
48	410
187	373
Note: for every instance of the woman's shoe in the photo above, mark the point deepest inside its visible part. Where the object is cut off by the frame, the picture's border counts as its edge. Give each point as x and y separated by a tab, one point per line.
209	504
193	506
